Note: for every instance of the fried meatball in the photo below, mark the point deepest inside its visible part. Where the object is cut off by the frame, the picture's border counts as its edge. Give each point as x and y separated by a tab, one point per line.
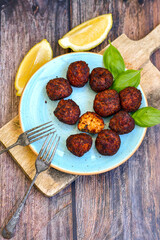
90	122
78	73
58	88
79	144
107	142
100	79
107	103
67	111
122	123
130	98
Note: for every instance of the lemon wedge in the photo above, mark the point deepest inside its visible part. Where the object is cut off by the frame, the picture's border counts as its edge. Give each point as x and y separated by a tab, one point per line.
88	34
37	56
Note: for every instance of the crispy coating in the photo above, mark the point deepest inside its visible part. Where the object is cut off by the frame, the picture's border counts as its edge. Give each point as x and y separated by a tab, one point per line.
90	122
78	73
79	144
58	88
130	98
107	103
67	111
122	123
107	142
100	79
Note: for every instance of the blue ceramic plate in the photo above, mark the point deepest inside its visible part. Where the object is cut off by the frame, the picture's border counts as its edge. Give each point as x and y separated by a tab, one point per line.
35	111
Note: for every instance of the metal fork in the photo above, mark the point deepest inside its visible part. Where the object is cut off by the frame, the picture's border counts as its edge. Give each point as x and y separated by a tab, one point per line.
43	161
31	135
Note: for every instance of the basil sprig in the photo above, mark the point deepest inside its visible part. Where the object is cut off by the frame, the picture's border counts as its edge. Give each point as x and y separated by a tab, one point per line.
129	78
147	117
113	60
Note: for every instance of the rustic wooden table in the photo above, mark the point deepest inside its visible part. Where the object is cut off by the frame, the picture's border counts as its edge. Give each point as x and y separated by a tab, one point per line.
121	204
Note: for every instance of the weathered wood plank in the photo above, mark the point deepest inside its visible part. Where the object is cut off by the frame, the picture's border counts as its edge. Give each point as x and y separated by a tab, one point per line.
123	203
59	227
20	29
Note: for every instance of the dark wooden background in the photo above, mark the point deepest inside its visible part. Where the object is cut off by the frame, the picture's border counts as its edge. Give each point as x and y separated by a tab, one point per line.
121	204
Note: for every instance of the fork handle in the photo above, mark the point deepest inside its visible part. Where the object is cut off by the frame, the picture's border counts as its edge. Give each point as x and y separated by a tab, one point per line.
6	149
8	230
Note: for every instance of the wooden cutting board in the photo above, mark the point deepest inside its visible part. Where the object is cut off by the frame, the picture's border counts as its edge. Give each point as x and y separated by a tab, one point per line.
136	55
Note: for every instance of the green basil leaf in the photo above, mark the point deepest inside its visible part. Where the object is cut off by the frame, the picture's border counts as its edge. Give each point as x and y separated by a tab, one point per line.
129	78
113	60
147	117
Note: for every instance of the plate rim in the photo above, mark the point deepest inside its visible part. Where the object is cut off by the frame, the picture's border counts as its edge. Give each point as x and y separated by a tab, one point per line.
68	171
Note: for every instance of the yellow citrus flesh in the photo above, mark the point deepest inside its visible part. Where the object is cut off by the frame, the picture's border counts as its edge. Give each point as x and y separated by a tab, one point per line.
38	55
88	34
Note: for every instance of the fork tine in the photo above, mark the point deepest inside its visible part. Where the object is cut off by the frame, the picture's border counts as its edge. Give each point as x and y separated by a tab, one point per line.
39	130
54	150
39	134
41	137
43	146
51	147
37	127
43	156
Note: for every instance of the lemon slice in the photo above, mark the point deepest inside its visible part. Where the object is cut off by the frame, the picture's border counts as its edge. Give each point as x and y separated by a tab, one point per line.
37	56
88	34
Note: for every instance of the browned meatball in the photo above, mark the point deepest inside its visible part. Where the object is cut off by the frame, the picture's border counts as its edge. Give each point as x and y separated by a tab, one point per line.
122	123
100	79
130	98
90	122
58	88
107	142
67	111
107	103
79	144
78	73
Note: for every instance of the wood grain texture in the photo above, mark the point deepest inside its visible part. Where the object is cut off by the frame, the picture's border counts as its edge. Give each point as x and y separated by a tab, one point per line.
20	29
122	204
137	52
49	182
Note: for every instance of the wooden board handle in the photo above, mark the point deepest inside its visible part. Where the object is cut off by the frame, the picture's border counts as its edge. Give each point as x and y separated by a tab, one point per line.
150	82
137	53
151	42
